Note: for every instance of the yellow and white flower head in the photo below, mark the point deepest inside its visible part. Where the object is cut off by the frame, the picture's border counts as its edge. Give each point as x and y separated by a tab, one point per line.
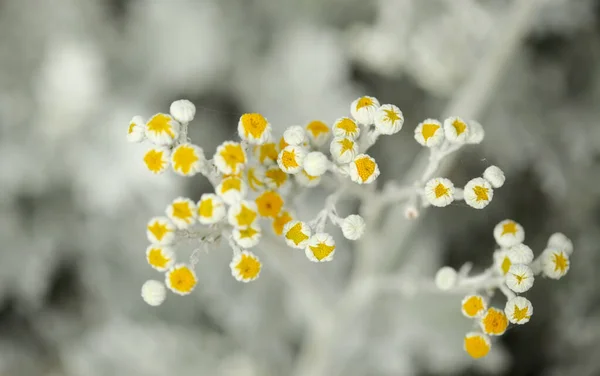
306	180
137	130
343	149
495	176
473	306
247	237
502	261
255	176
363	169
269	204
320	247
318	132
211	209
157	159
494	322
181	279
353	227
446	278
519	278
555	263
160	230
232	189
477	345
558	240
456	130
315	163
508	233
476	132
183	110
182	212
363	110
162	129
266	153
276	179
520	254
296	234
188	159
230	158
388	119
291	158
295	135
346	127
439	192
160	257
242	214
429	133
245	266
154	292
254	128
518	310
280	221
478	193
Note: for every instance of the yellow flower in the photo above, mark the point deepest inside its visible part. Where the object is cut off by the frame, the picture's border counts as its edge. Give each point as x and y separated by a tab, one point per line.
478	193
363	109
494	322
456	130
160	258
211	209
232	189
429	133
346	127
388	119
296	234
343	149
156	160
162	129
508	233
364	169
320	248
555	263
247	237
318	132
269	204
136	130
242	214
518	310
182	212
245	266
230	158
187	159
266	153
477	345
473	306
291	158
280	221
181	279
439	192
275	178
160	231
519	278
254	128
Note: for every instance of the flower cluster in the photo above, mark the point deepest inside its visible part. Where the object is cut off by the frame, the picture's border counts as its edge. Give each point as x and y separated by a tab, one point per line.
513	273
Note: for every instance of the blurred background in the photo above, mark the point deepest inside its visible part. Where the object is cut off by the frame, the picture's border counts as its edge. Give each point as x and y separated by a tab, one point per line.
75	197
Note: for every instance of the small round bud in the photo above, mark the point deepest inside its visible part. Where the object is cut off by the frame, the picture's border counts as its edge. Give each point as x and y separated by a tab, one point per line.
495	176
183	110
559	240
315	163
446	278
476	133
353	227
154	292
294	135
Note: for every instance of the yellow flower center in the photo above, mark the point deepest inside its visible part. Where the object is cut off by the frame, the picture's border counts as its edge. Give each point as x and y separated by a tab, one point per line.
183	158
321	250
277	176
317	128
269	204
154	160
233	155
560	262
230	183
391	116
495	322
182	210
267	151
365	167
182	279
280	222
348	125
206	208
346	144
158	230
440	190
506	265
160	123
459	126
481	193
429	130
520	314
295	234
248	232
476	346
131	126
157	259
473	306
245	217
288	159
253	124
248	267
520	278
509	228
363	102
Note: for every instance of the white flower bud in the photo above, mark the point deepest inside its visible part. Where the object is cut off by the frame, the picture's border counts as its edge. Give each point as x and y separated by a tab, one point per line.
559	240
183	110
495	176
520	254
519	278
555	263
353	227
294	135
446	278
315	163
154	292
476	133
